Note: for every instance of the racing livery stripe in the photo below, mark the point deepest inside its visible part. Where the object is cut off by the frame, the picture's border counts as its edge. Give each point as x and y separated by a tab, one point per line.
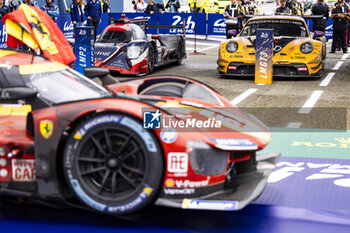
4	53
41	68
14	110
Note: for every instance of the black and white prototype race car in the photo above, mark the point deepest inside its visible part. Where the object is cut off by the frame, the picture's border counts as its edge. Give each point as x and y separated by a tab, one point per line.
124	47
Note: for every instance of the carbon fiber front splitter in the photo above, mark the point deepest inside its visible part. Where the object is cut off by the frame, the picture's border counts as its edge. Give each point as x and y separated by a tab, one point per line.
237	193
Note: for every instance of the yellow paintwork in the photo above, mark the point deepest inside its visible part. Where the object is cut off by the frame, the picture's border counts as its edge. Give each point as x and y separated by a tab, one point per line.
41	68
15	110
15	30
43	35
222	5
4	53
205	6
46	128
246	52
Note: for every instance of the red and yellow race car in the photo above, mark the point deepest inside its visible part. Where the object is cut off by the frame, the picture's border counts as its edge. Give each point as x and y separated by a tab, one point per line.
66	138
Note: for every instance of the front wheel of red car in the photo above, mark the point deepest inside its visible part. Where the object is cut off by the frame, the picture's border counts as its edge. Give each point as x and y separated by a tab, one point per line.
112	164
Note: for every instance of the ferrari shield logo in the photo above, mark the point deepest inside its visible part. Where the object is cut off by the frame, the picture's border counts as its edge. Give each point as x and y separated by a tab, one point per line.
46	128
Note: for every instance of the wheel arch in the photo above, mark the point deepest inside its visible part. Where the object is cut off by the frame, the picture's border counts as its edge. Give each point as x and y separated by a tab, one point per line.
65	190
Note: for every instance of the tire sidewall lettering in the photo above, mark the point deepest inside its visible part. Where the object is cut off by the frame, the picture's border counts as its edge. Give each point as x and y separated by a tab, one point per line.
78	138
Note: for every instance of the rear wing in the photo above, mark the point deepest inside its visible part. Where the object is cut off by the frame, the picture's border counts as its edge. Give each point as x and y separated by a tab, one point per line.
304	16
143	24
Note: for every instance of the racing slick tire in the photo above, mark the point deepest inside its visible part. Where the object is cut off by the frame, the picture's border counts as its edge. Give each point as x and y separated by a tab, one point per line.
180	54
112	164
151	59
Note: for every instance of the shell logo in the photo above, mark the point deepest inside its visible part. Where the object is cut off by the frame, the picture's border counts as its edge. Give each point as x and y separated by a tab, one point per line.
169	183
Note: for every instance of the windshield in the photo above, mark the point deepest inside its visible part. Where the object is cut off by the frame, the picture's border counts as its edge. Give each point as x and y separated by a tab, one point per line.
139	34
64	86
115	36
290	28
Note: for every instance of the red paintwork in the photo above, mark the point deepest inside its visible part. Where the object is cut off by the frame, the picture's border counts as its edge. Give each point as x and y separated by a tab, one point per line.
137	69
118	27
22	59
14	133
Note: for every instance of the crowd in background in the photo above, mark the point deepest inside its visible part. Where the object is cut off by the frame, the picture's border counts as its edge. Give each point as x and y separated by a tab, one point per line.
10	5
88	12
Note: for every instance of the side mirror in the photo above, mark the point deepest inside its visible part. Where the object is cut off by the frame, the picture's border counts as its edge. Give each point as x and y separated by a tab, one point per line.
232	32
101	73
318	34
15	93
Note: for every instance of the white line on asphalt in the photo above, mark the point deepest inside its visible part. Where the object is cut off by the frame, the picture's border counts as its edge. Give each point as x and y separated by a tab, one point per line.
243	96
294	125
200	43
338	65
208	48
327	79
310	103
345	56
189	50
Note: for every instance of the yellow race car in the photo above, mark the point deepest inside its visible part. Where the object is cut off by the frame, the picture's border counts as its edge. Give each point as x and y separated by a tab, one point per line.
296	51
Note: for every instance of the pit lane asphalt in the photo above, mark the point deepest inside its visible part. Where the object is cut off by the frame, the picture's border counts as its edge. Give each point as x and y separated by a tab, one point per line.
278	104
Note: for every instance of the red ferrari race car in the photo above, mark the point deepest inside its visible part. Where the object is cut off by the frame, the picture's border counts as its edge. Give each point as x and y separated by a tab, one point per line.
67	139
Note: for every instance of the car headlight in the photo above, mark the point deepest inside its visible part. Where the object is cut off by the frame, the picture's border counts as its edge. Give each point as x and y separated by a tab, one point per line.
306	48
232	46
134	51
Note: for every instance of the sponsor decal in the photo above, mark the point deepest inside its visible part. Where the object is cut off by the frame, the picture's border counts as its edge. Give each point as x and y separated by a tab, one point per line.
209	205
133	125
168	135
23	170
169	191
186	183
46	128
263	58
264	35
302	69
82	32
85	198
68	26
111	209
234	143
178	20
277	48
137	201
220	23
145	135
103	53
94	122
177	162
